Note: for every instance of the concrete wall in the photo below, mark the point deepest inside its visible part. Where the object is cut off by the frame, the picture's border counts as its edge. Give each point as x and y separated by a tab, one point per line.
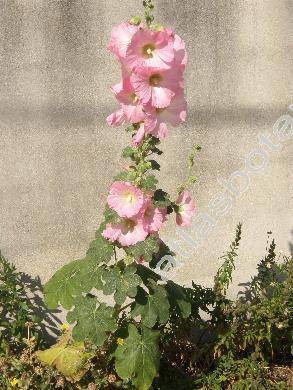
58	155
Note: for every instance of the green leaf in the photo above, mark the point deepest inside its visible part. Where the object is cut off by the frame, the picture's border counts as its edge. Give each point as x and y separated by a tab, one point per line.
70	359
100	250
129	152
129	175
110	216
191	157
145	249
63	285
161	199
75	278
178	299
122	284
155	165
138	358
153	307
157	151
93	322
163	251
149	183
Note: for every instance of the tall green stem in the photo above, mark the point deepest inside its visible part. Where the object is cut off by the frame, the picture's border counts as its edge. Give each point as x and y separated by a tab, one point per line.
148	8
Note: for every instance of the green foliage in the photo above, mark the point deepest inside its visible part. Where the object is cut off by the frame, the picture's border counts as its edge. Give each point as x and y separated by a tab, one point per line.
92	322
161	199
190	164
179	300
138	357
17	311
240	374
100	250
144	249
75	278
224	273
149	183
153	307
235	344
148	7
123	284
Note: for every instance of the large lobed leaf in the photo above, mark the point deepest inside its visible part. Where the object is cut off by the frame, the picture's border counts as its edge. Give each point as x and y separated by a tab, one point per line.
75	278
178	299
69	358
146	249
122	284
92	322
100	249
138	358
79	276
152	307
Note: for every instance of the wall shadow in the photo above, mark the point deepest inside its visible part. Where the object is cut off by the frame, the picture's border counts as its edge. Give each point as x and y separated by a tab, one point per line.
50	321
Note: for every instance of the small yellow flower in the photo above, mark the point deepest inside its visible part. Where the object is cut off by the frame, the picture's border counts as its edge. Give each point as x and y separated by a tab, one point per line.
64	327
120	341
14	382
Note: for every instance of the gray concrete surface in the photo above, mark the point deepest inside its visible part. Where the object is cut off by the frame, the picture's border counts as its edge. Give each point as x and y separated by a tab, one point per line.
58	155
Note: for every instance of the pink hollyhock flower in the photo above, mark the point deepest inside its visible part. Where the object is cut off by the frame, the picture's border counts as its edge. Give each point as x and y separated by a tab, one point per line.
157	118
124	93
138	137
117	118
151	49
152	217
179	48
127	232
180	51
126	199
157	86
186	209
121	36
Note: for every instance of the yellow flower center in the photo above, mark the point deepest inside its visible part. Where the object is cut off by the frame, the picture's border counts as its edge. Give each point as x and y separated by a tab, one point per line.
129	197
155	79
148	50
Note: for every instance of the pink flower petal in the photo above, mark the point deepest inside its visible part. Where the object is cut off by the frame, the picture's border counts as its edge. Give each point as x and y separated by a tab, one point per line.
126	199
186	209
116	119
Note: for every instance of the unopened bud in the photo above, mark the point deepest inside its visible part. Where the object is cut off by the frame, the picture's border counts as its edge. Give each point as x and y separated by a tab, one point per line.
135	20
157	27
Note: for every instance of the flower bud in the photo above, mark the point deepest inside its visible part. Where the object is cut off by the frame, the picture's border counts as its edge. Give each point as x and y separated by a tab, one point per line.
135	20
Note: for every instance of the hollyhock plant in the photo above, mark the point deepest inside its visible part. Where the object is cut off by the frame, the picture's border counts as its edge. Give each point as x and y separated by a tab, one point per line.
156	86
185	209
126	199
150	49
126	256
